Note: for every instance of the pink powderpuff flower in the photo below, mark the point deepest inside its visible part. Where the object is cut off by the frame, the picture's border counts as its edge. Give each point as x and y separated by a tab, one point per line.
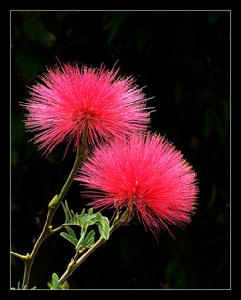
70	97
146	174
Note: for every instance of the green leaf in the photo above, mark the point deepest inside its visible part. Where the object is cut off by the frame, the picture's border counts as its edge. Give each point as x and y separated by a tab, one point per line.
55	282
82	235
71	217
69	238
71	232
82	212
90	211
104	228
67	212
64	208
89	239
84	220
87	220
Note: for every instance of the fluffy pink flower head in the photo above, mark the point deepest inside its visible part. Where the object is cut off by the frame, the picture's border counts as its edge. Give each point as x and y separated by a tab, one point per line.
146	174
69	97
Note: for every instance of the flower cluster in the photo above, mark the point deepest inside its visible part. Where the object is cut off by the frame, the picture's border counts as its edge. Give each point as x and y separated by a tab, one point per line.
68	98
144	173
134	168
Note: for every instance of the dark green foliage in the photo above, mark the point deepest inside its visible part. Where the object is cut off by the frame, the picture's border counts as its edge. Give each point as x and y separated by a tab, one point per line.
183	60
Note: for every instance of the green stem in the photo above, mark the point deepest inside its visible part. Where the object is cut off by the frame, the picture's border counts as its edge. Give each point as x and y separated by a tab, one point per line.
61	227
22	257
27	269
52	208
76	262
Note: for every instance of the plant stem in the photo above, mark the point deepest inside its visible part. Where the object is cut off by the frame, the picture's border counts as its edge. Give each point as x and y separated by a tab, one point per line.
61	227
76	262
22	257
52	208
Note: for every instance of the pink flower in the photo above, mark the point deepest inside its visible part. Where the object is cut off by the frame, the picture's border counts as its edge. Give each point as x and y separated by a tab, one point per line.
146	174
69	97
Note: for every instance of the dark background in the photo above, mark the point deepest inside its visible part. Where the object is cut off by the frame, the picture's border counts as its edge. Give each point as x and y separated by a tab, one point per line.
183	60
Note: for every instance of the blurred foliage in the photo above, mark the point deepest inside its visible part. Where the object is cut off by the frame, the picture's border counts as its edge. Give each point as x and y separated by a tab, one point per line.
183	60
